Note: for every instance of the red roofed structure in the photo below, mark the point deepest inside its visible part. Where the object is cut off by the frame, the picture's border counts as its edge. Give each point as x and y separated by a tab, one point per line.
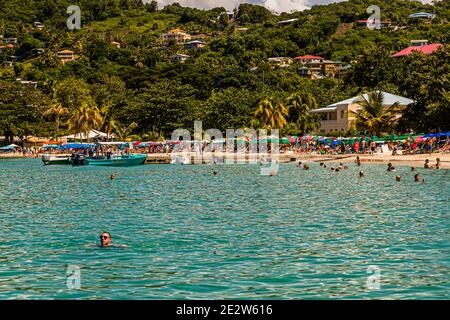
427	49
307	59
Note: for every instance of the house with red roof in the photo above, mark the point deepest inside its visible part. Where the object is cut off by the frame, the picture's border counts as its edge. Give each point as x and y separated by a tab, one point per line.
422	48
308	59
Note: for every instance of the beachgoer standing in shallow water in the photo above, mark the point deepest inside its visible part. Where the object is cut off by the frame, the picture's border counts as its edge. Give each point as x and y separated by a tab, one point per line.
438	163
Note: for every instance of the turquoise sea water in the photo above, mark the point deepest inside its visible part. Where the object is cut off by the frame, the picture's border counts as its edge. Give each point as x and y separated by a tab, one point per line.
192	235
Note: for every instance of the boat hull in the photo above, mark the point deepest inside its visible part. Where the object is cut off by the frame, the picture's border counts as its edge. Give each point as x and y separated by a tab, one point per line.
55	160
118	162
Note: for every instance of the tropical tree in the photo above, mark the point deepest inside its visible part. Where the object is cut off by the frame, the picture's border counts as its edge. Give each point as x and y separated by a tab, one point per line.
57	111
299	105
271	114
110	124
374	115
124	132
85	118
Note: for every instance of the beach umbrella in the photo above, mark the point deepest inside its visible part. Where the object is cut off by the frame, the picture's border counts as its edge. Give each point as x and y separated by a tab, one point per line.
419	139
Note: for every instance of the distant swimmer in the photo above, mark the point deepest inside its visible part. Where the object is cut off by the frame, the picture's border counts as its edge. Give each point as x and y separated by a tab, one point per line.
113	176
300	165
361	174
215	173
345	167
390	167
398	178
321	164
427	164
418	178
413	169
306	167
273	173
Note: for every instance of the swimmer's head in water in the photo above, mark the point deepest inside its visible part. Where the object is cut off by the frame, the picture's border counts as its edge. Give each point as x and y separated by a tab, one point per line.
105	239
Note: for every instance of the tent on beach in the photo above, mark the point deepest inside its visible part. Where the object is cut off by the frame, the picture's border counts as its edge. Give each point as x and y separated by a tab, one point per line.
92	135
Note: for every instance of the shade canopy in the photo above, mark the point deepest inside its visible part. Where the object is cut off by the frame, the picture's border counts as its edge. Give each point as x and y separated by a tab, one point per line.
93	134
9	148
77	146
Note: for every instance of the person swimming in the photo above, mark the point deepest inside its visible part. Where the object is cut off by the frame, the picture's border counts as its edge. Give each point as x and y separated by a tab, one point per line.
345	167
215	173
390	167
306	167
321	164
106	241
300	165
413	169
418	178
361	174
113	176
427	164
397	178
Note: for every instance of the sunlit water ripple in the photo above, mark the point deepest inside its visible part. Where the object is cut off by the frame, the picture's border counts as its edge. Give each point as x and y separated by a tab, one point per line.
192	235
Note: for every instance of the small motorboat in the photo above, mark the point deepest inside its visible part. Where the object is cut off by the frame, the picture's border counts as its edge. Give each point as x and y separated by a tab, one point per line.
56	160
118	160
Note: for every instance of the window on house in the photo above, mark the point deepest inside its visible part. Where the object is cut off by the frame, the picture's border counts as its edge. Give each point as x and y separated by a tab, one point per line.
333	115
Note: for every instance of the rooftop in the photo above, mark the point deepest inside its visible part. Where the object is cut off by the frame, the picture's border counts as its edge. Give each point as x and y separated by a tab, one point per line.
389	99
422	15
426	49
307	57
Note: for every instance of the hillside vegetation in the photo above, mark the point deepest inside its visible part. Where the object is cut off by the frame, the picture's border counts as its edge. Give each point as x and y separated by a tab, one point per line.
138	90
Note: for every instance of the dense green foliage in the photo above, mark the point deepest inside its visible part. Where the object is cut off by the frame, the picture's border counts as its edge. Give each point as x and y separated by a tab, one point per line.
142	91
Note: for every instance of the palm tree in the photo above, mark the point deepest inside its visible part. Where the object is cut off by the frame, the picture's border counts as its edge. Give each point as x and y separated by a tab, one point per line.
86	118
271	114
109	125
299	105
57	111
374	116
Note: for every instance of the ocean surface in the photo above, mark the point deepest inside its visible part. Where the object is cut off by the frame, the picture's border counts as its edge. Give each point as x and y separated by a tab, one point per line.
299	235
